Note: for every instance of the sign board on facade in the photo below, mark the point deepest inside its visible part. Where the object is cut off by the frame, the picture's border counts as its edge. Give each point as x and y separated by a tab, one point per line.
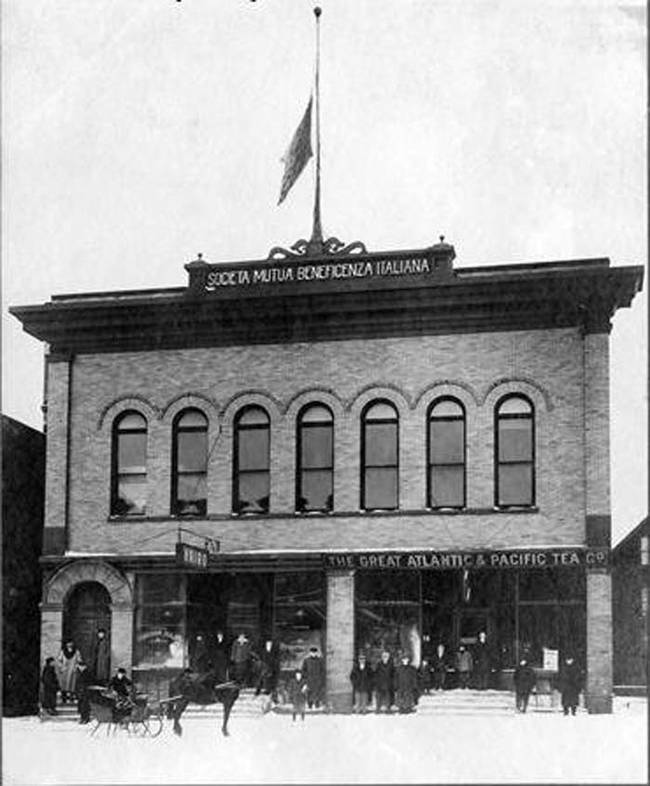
551	659
450	560
189	556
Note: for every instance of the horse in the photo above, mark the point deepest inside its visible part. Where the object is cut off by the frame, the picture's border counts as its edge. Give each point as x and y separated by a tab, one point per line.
200	688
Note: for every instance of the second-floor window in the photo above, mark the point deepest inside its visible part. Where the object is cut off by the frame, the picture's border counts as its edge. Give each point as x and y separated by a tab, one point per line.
129	465
446	455
379	457
315	459
515	452
251	475
189	463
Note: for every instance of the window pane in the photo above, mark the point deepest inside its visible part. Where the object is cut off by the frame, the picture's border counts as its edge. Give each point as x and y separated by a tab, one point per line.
316	447
446	445
381	488
447	409
253	448
515	440
191	494
253	416
381	444
131	454
515	484
192	451
254	492
381	412
316	414
132	495
515	406
192	419
132	421
446	487
316	491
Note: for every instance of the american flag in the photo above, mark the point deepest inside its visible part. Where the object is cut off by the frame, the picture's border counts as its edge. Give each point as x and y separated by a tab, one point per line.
298	153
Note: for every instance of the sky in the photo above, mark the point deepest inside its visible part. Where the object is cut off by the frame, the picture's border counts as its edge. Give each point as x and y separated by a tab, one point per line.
136	134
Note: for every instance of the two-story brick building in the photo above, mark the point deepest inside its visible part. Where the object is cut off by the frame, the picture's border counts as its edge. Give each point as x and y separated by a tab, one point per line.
390	451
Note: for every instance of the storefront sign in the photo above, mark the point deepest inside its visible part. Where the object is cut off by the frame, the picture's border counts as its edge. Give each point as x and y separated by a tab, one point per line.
550	659
297	272
449	560
189	556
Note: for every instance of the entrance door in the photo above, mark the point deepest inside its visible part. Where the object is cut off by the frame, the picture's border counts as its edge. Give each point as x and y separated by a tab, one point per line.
469	623
87	609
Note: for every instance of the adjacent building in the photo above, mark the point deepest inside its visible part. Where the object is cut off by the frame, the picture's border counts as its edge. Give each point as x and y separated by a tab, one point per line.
630	574
355	451
23	491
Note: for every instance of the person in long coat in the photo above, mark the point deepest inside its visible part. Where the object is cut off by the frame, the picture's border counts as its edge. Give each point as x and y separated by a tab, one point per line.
219	657
269	670
297	688
313	667
570	679
524	678
50	683
361	679
383	677
406	686
464	664
100	658
84	681
439	665
199	656
482	657
240	656
67	662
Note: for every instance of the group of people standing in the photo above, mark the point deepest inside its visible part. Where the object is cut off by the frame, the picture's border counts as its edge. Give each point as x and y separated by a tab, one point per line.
71	675
391	684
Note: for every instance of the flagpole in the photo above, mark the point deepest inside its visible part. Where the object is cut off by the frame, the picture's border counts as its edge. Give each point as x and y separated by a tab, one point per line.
316	242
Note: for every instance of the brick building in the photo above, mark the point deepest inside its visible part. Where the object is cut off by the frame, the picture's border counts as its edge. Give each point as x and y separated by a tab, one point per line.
630	581
390	450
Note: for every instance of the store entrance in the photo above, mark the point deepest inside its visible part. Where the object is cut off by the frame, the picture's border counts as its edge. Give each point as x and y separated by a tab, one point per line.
469	623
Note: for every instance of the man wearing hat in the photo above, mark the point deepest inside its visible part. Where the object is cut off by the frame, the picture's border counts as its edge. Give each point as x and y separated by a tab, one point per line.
313	669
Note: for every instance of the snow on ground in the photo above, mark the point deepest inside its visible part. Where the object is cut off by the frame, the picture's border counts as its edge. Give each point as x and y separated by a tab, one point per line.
532	748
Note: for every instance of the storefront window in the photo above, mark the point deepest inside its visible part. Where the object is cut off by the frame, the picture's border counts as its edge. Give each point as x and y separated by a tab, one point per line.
189	461
315	459
446	481
252	457
379	458
300	613
160	640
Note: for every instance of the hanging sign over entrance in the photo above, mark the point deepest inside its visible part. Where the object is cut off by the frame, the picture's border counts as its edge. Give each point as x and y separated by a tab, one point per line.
449	560
189	556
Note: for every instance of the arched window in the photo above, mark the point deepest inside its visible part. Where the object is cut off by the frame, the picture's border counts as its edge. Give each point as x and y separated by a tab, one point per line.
515	452
189	463
315	462
129	465
251	476
379	457
446	455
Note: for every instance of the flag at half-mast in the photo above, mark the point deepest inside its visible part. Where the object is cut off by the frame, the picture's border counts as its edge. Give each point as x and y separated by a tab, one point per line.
298	153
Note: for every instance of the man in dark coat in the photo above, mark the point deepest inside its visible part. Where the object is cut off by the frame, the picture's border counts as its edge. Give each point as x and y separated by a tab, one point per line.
524	678
570	685
84	680
361	679
267	681
406	686
50	683
220	657
199	656
313	669
439	665
383	682
121	686
100	658
240	656
482	658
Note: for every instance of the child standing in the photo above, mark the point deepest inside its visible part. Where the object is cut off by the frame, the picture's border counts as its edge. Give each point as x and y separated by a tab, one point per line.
298	694
50	683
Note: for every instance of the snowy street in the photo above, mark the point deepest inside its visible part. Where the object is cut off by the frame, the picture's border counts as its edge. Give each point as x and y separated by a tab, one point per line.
533	748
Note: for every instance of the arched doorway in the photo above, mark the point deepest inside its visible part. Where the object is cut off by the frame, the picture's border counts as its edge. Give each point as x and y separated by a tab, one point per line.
87	609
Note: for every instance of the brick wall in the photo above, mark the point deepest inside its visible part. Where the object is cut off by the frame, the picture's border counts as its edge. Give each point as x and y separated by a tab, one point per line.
477	368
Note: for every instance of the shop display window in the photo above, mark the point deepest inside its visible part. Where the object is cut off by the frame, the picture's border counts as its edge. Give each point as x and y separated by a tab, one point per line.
299	616
160	640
